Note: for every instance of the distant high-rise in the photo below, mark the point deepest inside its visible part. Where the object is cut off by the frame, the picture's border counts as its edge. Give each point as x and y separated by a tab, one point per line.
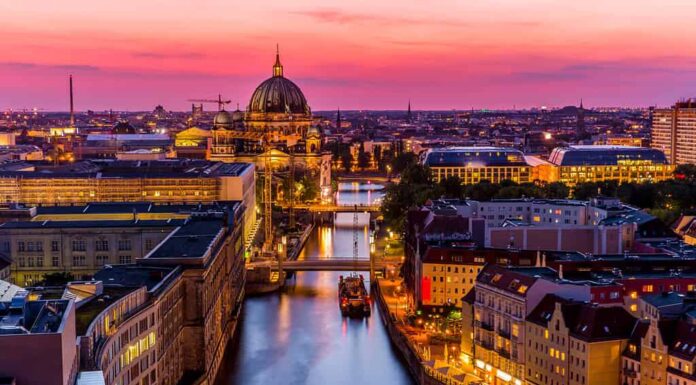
674	132
581	120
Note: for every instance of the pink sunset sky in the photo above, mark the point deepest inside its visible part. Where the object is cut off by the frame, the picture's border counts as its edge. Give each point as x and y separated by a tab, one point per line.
355	54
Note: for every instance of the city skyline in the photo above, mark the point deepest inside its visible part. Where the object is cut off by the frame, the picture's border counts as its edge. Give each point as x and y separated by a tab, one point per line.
365	55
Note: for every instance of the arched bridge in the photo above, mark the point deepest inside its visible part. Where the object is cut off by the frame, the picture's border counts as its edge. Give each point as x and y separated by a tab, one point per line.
324	265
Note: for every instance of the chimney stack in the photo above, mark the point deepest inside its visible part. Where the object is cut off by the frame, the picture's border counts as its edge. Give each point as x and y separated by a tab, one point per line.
72	110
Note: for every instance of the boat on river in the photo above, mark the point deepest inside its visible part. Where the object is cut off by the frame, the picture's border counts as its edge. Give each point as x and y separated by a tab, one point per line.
353	298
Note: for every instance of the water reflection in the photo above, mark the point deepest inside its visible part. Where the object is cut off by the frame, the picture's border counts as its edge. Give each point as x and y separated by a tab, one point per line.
299	336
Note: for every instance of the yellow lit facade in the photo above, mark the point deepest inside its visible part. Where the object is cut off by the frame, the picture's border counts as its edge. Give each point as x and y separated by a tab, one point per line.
50	191
494	174
569	165
636	172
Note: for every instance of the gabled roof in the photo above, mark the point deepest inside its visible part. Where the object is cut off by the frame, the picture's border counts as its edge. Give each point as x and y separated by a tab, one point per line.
470	296
640	329
447	225
684	343
513	280
584	320
595	323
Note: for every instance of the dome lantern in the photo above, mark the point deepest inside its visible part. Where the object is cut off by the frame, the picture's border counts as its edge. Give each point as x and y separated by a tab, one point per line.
277	67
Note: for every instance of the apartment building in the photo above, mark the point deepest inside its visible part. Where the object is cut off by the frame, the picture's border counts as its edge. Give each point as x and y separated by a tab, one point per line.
674	132
578	343
663	349
504	298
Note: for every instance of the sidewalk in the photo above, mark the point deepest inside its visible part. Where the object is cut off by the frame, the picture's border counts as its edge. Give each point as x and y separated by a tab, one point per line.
440	367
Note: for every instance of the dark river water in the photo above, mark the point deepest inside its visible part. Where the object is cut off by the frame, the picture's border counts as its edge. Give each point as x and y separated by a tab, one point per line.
299	337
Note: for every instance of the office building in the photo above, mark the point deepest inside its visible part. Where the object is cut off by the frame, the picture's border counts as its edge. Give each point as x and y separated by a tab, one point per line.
580	164
160	182
474	164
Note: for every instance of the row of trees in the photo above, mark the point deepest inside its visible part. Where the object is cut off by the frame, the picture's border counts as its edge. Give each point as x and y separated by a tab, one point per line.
342	152
666	199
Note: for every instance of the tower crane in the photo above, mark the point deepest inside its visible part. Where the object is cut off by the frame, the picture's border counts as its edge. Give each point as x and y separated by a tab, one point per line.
221	103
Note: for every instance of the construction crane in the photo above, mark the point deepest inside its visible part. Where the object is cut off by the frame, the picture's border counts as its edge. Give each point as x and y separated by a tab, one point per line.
355	238
221	103
291	209
267	187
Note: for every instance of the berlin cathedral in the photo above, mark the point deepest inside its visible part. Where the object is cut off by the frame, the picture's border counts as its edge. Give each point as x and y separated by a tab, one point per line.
277	124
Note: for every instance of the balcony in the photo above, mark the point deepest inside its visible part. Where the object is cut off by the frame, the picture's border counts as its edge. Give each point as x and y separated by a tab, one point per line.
485	344
504	353
504	333
484	325
630	373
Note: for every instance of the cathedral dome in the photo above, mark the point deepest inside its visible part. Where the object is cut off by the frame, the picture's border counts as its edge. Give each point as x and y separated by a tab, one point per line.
222	119
278	95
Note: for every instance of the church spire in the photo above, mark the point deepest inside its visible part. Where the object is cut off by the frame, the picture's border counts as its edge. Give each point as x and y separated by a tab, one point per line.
277	67
338	118
408	112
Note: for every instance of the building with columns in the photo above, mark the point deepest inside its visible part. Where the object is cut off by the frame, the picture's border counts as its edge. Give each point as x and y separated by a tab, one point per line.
276	128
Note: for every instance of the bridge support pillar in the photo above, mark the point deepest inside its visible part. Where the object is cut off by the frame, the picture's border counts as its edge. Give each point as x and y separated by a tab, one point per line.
372	268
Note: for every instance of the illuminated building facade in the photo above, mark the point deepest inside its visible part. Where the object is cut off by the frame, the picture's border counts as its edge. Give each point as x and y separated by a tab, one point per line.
570	165
81	240
575	343
579	164
674	132
474	164
278	112
165	319
160	182
79	247
504	298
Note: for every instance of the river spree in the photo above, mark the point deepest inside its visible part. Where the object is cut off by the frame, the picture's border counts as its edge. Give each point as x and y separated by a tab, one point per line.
299	337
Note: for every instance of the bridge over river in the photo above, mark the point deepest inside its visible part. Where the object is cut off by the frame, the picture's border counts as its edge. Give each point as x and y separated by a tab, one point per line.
335	264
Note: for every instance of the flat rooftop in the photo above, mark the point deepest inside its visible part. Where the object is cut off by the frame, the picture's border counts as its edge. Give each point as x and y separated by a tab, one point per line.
132	276
49	224
192	240
137	207
169	168
43	316
87	312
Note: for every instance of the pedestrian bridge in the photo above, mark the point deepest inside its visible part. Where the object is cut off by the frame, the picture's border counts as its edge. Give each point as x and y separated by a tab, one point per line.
323	265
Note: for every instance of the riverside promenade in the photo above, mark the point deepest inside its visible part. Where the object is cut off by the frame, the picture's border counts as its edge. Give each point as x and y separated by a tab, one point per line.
414	343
